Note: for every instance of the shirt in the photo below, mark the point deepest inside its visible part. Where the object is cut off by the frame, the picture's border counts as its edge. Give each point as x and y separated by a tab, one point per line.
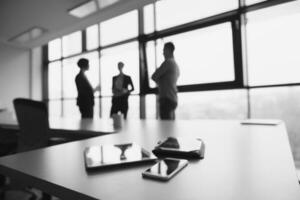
166	77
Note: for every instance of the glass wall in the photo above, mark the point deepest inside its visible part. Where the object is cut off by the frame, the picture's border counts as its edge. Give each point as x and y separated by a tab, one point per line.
274	44
112	30
224	104
188	12
128	54
280	103
71	44
64	53
222	77
196	52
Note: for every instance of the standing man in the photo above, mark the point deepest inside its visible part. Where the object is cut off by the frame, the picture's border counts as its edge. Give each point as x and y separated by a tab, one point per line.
166	77
121	87
85	98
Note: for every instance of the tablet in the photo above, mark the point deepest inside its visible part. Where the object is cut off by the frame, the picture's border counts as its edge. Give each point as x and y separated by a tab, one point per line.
182	147
112	155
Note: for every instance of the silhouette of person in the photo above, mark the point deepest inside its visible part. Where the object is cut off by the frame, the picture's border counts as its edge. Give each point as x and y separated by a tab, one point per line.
166	77
85	98
121	87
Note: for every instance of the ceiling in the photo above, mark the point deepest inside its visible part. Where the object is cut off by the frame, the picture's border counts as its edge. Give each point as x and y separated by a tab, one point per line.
18	16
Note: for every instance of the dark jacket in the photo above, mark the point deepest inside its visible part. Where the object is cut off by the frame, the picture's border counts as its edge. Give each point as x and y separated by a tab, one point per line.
126	82
85	91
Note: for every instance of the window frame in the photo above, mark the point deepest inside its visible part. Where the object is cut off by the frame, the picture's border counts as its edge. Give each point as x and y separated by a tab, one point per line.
238	23
233	18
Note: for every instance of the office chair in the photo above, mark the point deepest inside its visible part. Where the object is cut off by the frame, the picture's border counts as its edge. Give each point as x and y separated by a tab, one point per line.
32	117
33	121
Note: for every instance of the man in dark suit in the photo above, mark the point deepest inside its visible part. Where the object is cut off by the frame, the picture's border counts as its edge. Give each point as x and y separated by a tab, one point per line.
121	87
85	98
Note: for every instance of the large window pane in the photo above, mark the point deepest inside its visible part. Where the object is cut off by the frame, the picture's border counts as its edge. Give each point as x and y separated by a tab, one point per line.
274	44
105	107
280	103
149	25
204	55
92	37
72	43
54	80
119	28
54	49
54	108
129	55
227	104
151	60
175	12
70	70
151	106
70	109
133	107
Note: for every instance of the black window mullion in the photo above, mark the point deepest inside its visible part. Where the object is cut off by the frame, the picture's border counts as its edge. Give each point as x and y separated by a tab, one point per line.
237	51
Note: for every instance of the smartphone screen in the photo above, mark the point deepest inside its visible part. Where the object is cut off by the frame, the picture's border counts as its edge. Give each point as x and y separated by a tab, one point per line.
165	168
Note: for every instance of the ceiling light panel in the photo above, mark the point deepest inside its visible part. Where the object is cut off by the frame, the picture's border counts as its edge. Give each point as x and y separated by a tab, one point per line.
84	10
29	35
105	3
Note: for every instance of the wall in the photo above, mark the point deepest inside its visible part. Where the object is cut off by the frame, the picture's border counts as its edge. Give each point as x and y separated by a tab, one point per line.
14	74
36	73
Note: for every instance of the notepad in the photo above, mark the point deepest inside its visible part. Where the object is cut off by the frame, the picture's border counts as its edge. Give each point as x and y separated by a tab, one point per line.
271	122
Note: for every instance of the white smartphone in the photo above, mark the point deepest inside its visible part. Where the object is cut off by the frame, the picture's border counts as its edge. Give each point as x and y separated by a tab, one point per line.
165	169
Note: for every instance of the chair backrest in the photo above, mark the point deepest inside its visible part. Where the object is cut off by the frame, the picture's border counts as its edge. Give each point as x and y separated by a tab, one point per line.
33	120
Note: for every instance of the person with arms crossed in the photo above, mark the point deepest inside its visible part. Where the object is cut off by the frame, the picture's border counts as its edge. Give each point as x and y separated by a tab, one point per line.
166	77
121	87
85	98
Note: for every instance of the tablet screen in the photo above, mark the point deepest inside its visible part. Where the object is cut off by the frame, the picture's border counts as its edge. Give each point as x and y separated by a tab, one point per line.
106	155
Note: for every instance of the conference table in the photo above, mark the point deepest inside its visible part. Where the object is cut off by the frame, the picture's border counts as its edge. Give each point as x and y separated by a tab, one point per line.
243	161
72	128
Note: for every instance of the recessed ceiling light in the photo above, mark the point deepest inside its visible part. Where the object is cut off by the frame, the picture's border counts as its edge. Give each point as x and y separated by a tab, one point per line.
26	36
84	9
105	3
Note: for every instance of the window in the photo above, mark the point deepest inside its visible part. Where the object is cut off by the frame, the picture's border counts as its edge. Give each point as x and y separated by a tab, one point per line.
279	103
249	2
273	45
196	53
105	107
70	70
151	106
175	12
149	21
133	107
119	28
55	107
54	51
72	44
54	80
70	109
129	55
223	104
92	37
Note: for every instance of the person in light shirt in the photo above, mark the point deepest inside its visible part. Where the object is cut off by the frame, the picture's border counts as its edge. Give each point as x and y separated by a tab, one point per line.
122	86
166	77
